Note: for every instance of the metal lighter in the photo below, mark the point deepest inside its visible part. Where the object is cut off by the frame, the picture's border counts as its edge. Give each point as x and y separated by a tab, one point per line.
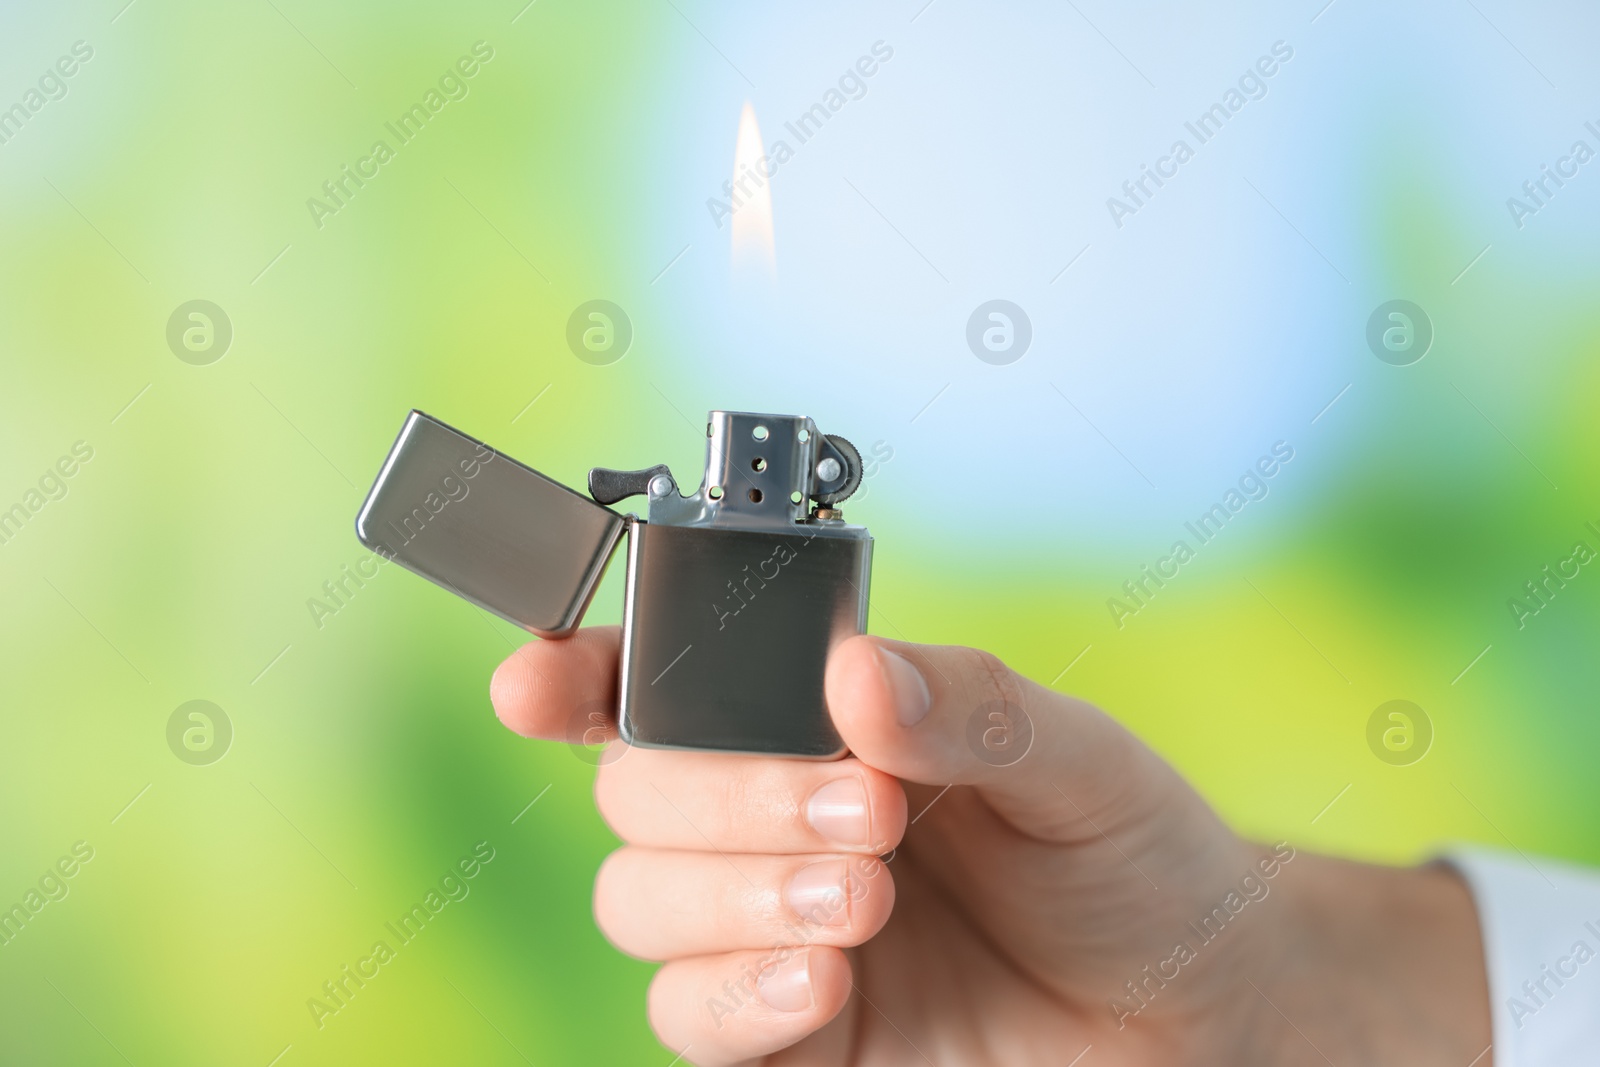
735	593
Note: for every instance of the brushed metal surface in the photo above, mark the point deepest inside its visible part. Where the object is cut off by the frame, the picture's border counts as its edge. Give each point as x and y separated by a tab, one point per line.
487	528
726	636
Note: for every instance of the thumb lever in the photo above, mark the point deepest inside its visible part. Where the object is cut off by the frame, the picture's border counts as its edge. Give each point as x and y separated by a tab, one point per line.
608	486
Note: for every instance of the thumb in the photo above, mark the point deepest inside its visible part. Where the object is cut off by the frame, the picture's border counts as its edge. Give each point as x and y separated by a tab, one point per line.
1056	768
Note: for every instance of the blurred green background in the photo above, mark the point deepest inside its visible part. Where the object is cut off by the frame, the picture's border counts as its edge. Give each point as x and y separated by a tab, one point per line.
180	562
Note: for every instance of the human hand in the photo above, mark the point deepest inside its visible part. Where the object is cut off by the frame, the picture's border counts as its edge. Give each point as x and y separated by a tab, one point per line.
1078	901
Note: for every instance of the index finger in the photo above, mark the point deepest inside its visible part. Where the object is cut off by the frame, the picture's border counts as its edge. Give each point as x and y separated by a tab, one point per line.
545	686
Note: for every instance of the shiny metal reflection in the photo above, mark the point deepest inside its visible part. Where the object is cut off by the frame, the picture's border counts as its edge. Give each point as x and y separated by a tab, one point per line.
487	528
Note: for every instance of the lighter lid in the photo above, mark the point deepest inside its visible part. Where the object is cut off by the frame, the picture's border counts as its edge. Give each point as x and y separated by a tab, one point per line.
488	528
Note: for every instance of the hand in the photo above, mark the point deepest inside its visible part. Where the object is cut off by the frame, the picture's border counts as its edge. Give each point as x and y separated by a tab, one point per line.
1082	897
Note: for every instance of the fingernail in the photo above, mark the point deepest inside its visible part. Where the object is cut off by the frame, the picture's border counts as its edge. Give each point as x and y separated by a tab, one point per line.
838	811
819	893
911	697
788	987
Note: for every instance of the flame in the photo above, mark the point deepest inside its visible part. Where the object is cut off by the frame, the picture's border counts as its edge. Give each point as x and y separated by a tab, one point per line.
753	245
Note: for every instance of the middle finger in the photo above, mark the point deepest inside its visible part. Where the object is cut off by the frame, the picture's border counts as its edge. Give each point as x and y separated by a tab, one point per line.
721	803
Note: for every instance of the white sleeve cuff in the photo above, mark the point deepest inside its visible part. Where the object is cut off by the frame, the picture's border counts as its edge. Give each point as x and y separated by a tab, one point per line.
1541	937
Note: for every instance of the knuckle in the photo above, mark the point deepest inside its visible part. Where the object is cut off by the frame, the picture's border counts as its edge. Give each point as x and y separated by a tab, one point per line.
758	804
990	678
745	909
739	795
990	689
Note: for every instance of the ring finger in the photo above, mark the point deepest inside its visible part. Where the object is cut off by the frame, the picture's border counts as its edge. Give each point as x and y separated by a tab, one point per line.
662	904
